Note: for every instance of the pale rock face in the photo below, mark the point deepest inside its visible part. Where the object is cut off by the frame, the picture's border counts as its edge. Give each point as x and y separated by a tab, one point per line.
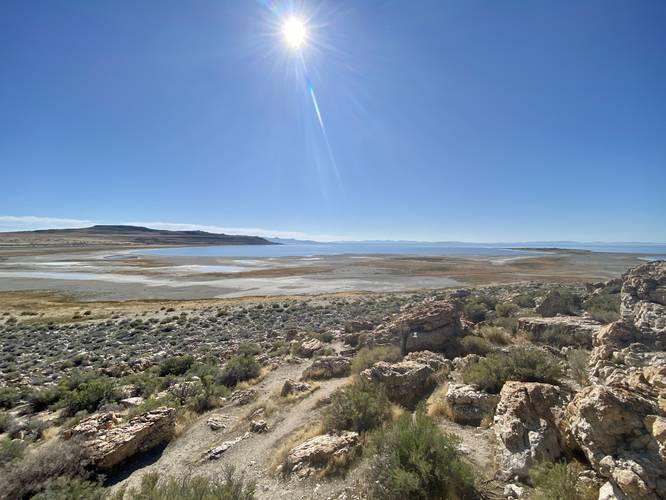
317	453
580	327
293	387
109	441
327	367
435	321
467	405
644	299
552	305
243	397
310	347
526	425
406	382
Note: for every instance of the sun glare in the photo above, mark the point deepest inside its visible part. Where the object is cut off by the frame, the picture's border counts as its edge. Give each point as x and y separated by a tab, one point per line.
295	33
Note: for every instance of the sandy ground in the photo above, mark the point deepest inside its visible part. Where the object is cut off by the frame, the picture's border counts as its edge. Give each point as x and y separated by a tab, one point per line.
122	275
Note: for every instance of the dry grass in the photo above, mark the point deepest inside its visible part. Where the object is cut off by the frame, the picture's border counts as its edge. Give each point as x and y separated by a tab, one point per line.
306	432
184	419
436	403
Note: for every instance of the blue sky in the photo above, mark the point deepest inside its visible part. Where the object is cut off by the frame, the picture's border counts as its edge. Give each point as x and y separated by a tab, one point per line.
444	120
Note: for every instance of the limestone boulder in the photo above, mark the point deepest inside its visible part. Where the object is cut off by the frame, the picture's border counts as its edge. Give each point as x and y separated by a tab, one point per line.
293	387
643	300
310	347
553	303
580	330
526	424
316	453
615	428
467	405
406	382
109	441
327	367
429	325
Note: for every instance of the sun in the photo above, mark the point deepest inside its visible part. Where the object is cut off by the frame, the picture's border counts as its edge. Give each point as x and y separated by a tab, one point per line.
295	33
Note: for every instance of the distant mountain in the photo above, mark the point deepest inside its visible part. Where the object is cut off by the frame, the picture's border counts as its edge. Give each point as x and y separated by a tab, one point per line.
124	235
292	241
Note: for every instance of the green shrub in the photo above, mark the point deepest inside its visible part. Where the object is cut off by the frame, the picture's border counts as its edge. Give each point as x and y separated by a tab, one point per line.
41	399
559	481
525	365
66	488
525	300
368	356
509	324
360	406
413	459
562	336
506	309
10	450
475	311
474	345
249	348
228	487
87	396
177	365
54	459
578	365
9	396
604	307
495	335
6	421
243	367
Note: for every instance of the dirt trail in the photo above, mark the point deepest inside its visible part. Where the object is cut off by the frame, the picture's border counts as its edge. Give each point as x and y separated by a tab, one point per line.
252	455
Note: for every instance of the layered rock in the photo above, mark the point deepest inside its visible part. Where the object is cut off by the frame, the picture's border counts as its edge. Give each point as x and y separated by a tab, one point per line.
109	441
316	453
467	405
553	304
429	325
293	387
581	330
526	425
406	382
619	423
327	367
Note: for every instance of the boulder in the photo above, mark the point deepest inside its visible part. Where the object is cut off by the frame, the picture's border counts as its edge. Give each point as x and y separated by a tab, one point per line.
553	304
614	428
643	300
131	402
217	451
355	326
327	367
243	397
310	347
430	325
109	441
581	330
316	453
526	426
406	382
216	423
293	387
258	426
467	405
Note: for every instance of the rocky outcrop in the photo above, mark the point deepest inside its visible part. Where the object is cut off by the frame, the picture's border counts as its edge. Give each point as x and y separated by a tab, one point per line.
553	303
318	452
643	301
327	367
243	397
526	425
611	425
467	405
618	423
429	325
580	330
218	451
292	387
406	382
310	347
109	441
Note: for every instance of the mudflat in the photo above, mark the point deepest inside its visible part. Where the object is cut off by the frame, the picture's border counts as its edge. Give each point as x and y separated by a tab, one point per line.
125	274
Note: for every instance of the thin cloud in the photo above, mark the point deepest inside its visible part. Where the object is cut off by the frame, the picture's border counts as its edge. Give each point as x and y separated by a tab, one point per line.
32	222
29	222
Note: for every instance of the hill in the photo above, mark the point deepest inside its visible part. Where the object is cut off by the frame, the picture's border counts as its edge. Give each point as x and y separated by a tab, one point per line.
103	235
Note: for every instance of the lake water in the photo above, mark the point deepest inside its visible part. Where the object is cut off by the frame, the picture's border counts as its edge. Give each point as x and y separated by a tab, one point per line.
420	249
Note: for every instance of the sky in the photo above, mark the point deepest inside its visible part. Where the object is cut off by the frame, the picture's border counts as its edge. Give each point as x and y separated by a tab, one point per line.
440	120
